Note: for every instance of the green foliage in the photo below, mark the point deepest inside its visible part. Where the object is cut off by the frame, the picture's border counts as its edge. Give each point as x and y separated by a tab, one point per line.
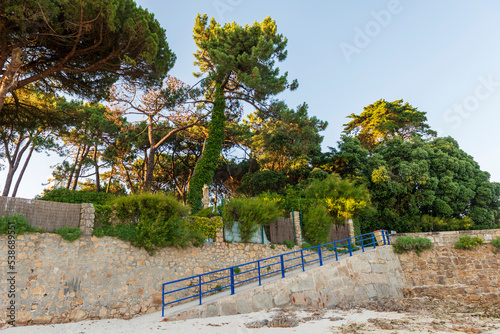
208	213
207	226
428	224
69	233
408	243
21	224
468	242
83	58
149	221
253	184
251	214
411	181
236	270
289	244
239	65
496	242
284	140
134	209
306	245
272	247
205	168
75	196
384	120
317	223
342	197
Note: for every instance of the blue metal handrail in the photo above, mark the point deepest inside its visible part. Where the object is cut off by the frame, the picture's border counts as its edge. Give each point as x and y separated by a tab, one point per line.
285	262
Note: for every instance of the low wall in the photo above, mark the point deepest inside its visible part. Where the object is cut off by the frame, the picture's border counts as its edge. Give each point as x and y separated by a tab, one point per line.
60	281
373	275
449	239
468	276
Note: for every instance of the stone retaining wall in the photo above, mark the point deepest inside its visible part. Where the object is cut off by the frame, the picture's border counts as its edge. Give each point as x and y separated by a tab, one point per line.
373	275
60	281
449	239
447	273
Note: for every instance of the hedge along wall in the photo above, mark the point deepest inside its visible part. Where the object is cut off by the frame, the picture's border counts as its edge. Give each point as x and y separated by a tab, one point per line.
94	278
50	215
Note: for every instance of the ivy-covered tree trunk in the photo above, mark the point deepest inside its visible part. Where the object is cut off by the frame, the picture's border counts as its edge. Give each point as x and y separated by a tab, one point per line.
205	168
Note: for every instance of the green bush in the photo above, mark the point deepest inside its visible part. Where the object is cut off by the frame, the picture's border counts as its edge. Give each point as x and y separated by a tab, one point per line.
408	243
69	233
428	223
306	245
468	242
151	221
208	213
251	214
289	244
134	209
207	226
76	196
317	223
496	242
21	224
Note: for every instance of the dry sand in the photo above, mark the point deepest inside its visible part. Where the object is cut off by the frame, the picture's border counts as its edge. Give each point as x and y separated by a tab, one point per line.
408	316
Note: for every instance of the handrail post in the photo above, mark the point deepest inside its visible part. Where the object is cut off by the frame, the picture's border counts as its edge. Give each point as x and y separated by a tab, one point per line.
258	266
231	273
383	236
349	245
373	240
336	253
199	284
282	267
302	256
388	239
320	258
163	300
362	246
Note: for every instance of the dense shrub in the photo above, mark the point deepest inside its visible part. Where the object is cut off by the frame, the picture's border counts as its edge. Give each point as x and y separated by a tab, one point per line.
428	223
151	221
76	196
134	209
250	213
406	244
21	224
468	242
208	227
317	223
69	233
208	212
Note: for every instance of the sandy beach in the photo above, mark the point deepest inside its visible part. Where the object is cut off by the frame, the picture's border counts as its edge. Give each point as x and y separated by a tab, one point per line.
408	316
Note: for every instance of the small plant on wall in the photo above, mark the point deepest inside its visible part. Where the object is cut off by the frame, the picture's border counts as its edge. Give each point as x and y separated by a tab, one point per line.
496	242
406	244
468	242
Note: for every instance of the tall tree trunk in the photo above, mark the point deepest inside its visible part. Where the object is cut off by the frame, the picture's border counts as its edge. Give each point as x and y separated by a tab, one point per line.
8	80
150	163
205	168
84	155
111	174
97	179
21	174
73	168
14	161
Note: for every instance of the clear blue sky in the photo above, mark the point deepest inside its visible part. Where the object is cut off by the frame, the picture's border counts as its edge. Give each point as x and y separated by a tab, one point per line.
442	57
